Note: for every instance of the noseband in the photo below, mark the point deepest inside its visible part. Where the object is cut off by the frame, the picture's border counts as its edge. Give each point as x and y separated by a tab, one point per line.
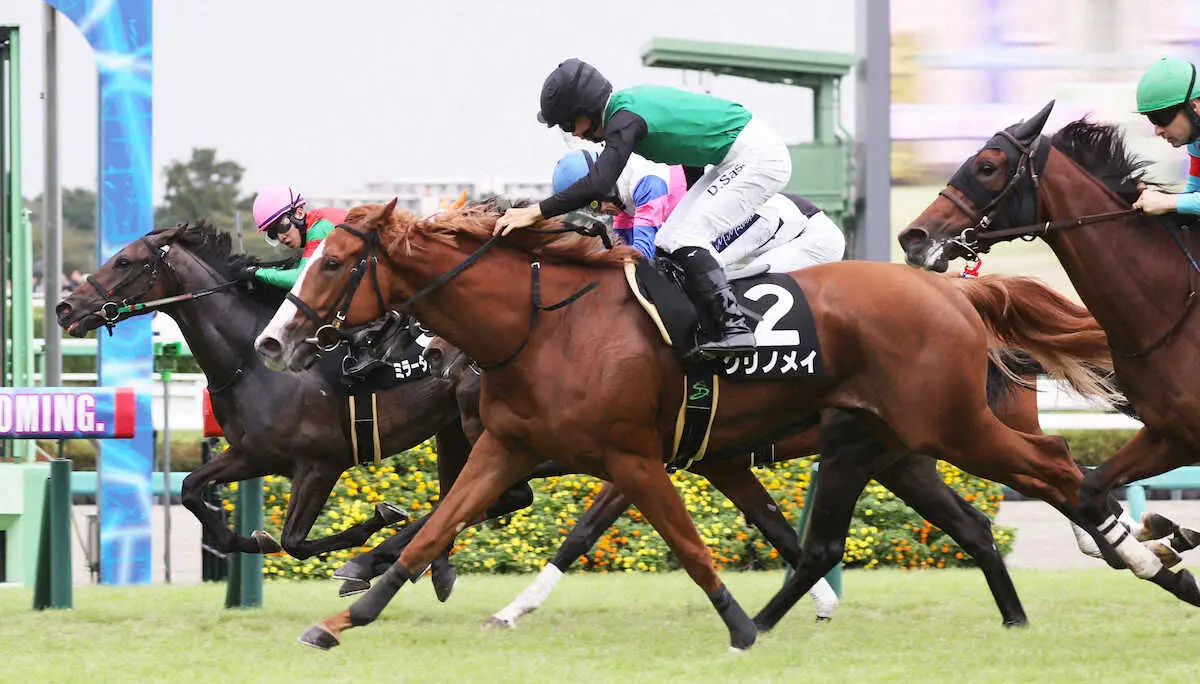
330	335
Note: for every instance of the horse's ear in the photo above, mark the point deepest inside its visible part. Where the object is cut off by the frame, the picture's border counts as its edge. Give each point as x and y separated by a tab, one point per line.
1026	131
382	216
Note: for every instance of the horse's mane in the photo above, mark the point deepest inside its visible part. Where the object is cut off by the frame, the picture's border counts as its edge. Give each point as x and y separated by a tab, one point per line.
1101	150
477	221
215	249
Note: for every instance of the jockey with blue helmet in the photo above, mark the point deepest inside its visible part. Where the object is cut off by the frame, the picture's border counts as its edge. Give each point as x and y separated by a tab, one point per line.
787	233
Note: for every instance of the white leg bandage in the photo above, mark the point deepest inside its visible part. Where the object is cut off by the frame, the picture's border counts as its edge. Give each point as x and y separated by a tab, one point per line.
532	597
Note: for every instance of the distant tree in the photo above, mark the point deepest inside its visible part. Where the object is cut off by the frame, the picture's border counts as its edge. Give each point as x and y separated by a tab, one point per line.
202	187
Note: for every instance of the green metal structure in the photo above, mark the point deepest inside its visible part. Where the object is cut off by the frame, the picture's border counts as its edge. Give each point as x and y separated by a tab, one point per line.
822	170
16	246
22	481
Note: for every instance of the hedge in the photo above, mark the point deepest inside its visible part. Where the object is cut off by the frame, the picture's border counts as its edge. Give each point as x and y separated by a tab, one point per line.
884	532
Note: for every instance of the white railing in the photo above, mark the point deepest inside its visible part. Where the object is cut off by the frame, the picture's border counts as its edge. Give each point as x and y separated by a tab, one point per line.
1060	409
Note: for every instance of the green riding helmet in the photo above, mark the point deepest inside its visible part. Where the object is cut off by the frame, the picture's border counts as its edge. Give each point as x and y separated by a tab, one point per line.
1168	83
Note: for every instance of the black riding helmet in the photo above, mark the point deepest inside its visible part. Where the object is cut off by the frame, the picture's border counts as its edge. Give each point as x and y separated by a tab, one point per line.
573	89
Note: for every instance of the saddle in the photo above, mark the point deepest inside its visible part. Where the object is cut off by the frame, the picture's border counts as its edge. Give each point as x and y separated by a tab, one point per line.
784	331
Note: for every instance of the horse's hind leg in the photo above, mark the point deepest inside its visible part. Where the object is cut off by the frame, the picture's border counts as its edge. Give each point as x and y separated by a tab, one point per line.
915	479
608	505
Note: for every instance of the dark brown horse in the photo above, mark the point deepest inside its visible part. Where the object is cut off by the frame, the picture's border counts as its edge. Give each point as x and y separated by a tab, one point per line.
592	383
1137	274
276	424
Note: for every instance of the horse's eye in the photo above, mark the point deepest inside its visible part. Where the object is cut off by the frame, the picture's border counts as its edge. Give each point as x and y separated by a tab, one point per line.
331	264
122	262
987	168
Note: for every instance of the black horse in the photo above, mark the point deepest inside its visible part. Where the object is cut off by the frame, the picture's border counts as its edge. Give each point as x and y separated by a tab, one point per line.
275	423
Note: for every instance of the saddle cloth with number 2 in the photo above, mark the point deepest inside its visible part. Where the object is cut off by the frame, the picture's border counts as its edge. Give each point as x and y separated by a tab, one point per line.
776	309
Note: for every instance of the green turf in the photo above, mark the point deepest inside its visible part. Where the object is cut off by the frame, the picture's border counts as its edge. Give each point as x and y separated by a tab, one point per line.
894	627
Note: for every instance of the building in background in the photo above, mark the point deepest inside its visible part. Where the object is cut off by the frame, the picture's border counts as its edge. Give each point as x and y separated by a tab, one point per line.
963	69
423	197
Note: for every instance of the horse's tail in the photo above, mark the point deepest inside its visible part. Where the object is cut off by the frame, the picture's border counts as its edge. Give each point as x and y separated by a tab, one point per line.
1061	336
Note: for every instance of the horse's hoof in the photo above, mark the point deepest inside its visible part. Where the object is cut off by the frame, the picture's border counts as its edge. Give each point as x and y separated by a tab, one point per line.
266	543
763	628
1011	624
1155	526
390	513
743	639
820	619
1190	539
1165	553
352	571
498	623
443	582
353	587
319	637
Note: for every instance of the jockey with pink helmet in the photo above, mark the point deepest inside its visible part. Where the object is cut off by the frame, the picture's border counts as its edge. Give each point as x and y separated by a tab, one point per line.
279	212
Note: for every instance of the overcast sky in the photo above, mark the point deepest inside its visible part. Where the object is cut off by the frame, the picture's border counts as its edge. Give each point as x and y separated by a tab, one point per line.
330	95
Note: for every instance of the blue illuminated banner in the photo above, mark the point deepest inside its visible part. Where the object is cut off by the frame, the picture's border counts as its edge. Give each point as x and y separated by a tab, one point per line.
67	412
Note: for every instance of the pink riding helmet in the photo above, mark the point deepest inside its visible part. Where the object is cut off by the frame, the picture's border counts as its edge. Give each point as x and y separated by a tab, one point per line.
273	202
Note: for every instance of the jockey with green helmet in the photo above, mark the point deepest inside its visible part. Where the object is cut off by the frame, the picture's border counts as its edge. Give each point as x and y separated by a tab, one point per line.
1169	96
279	212
747	160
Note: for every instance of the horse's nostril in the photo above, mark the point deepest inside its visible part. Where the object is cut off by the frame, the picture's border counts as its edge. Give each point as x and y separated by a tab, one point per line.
913	236
63	309
269	346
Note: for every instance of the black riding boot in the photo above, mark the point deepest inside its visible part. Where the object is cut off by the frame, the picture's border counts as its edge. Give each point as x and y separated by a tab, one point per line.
712	294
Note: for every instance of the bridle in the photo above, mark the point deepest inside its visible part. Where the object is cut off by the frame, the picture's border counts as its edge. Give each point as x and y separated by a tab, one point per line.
330	333
978	236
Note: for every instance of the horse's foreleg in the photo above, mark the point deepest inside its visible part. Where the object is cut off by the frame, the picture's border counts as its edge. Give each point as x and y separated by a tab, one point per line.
735	480
848	448
230	466
1149	453
643	479
608	505
915	479
490	470
311	486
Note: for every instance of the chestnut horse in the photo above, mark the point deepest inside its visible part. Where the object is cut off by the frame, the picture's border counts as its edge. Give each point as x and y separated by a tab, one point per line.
1136	273
590	382
850	459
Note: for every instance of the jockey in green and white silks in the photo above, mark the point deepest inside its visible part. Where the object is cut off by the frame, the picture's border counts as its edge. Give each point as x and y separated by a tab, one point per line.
749	163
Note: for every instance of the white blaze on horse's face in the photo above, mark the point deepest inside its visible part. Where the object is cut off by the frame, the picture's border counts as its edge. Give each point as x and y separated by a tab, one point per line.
287	311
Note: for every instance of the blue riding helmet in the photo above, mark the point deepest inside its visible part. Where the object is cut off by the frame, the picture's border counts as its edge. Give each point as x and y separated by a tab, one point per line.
574	166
